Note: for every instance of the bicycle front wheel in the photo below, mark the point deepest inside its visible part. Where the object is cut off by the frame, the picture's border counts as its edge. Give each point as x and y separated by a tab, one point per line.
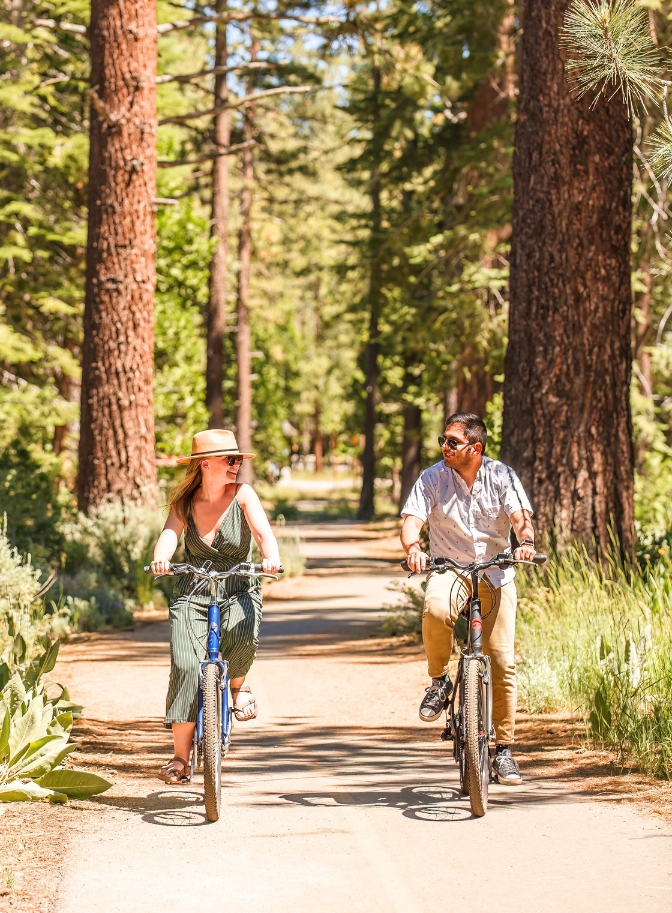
212	742
477	741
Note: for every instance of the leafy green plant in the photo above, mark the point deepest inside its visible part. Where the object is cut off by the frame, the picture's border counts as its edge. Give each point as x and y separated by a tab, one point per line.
405	616
35	737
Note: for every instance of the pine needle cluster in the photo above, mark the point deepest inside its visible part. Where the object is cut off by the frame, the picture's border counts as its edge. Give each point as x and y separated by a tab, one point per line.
609	44
660	145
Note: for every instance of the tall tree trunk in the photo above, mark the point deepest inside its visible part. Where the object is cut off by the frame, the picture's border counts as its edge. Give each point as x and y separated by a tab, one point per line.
367	497
116	447
411	448
318	444
567	425
243	337
216	318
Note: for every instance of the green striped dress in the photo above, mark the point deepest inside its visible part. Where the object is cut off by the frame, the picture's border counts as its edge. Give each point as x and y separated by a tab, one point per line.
239	599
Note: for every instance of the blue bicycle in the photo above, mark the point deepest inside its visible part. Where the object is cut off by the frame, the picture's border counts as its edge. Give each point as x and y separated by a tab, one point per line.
212	735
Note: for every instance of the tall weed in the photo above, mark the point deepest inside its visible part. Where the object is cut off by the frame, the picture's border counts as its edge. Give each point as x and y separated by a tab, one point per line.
597	639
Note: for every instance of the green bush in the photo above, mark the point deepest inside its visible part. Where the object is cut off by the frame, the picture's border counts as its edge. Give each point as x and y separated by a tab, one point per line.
284	510
597	639
105	553
24	623
405	616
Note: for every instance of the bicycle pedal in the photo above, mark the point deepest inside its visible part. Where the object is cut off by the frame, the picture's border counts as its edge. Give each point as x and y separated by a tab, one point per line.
447	735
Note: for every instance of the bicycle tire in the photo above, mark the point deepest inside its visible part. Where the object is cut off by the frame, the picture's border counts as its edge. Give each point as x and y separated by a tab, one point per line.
212	742
476	740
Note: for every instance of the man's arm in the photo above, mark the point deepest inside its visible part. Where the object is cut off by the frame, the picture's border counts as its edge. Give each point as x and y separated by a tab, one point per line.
521	522
410	540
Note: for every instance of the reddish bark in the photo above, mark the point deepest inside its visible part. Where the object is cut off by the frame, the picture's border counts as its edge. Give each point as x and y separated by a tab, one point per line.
216	315
116	448
243	334
567	426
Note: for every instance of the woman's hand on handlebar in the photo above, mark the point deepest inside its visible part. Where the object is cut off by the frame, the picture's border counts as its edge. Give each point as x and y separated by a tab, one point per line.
161	567
417	561
271	565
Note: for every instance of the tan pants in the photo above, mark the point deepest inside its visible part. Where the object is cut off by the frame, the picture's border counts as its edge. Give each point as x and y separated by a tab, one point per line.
443	599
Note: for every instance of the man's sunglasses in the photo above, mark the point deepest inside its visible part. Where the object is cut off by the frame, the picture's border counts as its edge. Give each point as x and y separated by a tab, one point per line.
232	461
452	443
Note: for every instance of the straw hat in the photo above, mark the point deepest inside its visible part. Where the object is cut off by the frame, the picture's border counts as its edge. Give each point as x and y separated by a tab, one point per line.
213	442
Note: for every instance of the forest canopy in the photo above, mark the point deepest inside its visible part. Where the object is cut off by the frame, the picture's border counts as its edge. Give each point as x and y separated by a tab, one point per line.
366	236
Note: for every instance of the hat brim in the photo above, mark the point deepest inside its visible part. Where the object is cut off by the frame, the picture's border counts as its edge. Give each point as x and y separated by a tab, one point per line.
205	456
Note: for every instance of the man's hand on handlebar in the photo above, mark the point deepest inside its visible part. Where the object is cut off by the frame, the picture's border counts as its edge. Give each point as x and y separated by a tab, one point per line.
417	561
524	553
161	567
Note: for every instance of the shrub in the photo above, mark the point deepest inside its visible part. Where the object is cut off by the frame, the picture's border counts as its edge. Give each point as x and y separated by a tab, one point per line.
405	616
23	620
105	554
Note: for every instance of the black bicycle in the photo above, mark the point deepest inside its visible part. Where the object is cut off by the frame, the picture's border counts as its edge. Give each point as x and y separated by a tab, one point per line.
469	710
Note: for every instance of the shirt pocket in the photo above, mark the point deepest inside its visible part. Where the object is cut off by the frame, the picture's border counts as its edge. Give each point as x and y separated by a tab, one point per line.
487	513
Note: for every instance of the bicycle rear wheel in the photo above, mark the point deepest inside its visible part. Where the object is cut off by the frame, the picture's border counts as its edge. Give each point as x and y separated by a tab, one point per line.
212	742
476	748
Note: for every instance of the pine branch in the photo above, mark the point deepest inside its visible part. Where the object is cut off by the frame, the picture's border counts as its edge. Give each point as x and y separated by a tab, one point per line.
609	44
660	158
244	100
188	77
233	16
63	26
208	156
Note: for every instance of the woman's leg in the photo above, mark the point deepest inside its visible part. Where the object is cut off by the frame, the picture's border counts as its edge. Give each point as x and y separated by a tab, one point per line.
188	626
240	639
183	737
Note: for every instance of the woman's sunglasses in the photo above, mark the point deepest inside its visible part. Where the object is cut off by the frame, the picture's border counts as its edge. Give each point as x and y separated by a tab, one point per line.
452	443
233	461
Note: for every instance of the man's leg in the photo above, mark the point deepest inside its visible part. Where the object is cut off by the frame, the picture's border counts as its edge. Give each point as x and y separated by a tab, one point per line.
439	614
499	628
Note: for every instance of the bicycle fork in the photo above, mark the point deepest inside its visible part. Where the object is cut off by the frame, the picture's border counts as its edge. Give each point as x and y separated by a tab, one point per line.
212	648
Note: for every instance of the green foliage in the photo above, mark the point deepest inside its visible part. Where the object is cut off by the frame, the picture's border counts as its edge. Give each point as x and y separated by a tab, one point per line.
597	639
25	627
105	555
35	739
610	48
405	616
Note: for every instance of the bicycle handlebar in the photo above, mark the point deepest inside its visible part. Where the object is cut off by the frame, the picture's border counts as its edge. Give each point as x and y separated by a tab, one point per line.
244	569
503	560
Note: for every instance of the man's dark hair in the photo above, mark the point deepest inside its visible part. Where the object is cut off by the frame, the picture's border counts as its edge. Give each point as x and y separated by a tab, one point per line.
474	427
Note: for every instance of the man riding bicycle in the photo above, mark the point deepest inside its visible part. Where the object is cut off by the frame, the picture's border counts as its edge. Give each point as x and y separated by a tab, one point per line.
470	503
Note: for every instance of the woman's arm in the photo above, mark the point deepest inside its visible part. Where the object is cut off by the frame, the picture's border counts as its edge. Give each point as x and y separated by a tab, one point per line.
166	544
261	528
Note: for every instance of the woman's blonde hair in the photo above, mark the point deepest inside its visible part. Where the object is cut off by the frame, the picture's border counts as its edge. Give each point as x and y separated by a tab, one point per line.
182	495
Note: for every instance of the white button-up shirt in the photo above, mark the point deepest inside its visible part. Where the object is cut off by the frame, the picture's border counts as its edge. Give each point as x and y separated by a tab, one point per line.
468	525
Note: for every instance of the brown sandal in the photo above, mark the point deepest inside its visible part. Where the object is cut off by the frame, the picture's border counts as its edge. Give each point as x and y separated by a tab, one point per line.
171	774
247	711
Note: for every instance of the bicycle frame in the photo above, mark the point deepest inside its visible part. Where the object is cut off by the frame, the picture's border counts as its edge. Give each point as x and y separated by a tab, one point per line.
212	649
473	651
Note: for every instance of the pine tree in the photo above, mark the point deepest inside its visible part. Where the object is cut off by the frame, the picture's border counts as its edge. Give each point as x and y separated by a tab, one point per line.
567	426
116	448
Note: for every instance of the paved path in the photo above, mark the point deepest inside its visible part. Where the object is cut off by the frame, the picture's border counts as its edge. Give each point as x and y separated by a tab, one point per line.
335	798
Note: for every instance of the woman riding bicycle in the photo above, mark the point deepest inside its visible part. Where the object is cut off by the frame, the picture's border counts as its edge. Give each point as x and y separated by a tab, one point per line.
219	517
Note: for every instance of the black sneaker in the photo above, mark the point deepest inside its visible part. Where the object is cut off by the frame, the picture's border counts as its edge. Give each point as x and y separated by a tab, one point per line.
506	769
435	699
